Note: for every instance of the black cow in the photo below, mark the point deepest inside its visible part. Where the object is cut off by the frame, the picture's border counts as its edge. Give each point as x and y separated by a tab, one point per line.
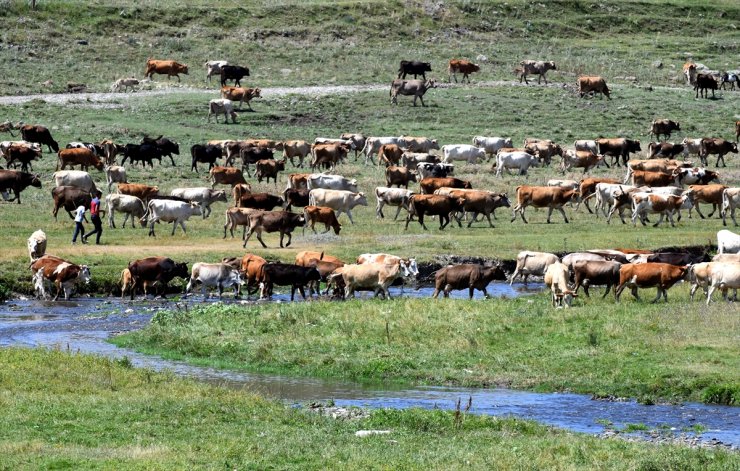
704	82
39	134
233	72
251	155
11	180
285	274
156	269
415	68
264	201
23	155
677	258
205	154
166	147
143	153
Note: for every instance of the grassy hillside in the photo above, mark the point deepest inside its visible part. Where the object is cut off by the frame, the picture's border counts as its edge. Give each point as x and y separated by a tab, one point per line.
317	42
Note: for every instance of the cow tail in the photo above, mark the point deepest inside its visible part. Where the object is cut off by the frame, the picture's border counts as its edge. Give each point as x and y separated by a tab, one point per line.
146	212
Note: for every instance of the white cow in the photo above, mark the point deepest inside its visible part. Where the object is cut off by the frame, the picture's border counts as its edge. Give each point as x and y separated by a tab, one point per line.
691	147
203	195
698	275
115	174
220	275
331	182
563	183
369	276
518	159
329	140
727	242
372	146
170	211
730	201
492	144
221	105
37	245
428	169
127	204
214	67
465	152
398	197
411	159
556	278
340	201
723	276
665	205
607	201
123	84
586	145
532	263
77	178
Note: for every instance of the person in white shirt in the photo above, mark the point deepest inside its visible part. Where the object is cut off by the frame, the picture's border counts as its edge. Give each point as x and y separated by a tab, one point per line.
79	228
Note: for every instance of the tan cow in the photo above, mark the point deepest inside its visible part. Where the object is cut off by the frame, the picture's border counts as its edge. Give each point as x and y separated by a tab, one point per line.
165	67
326	216
592	84
299	149
556	279
226	176
709	194
550	197
240	94
143	192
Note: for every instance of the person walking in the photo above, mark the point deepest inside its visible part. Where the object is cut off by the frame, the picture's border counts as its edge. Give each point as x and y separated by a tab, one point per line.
79	228
95	218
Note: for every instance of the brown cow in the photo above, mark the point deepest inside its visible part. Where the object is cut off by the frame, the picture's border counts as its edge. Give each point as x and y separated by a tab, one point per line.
12	180
62	273
24	155
328	155
299	149
240	94
389	154
399	176
127	282
302	258
251	267
592	272
705	82
164	67
39	134
640	178
592	84
264	201
716	146
273	221
269	169
550	197
580	159
298	181
295	198
70	198
618	147
429	185
156	269
143	192
469	275
664	150
320	214
239	190
663	127
665	205
710	194
79	156
544	150
647	275
226	176
462	66
663	166
433	205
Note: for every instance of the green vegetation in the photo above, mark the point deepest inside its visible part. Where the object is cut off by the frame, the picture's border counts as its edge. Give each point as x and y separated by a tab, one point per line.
74	411
670	352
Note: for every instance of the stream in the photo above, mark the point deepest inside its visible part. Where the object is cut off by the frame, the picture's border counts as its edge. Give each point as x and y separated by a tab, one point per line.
84	325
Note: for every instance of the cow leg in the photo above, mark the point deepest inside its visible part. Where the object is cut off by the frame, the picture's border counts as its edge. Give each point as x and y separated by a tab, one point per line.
290	238
151	229
712	288
398	211
661	292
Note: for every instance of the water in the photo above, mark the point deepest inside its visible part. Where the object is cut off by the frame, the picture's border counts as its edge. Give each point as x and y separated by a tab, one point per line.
83	325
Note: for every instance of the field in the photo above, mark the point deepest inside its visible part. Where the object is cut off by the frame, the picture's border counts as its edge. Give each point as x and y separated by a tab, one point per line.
678	351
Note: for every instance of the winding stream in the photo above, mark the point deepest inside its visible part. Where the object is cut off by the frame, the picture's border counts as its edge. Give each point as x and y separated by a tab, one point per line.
84	324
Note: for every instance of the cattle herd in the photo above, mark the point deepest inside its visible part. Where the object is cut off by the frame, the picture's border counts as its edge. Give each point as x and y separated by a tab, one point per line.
659	185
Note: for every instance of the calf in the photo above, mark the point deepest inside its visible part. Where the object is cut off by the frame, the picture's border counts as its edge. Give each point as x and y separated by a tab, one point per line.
469	275
23	155
556	278
314	214
549	197
36	245
221	105
647	275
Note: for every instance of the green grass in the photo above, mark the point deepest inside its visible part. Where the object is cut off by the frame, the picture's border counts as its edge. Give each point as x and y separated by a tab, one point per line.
63	411
668	352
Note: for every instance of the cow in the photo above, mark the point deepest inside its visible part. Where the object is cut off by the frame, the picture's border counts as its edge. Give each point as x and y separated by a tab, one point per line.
330	182
586	145
207	154
341	201
618	147
689	71
556	279
123	84
284	274
70	198
480	202
433	205
303	258
115	174
563	183
550	197
63	274
532	264
434	170
411	160
596	272
159	270
328	155
269	169
6	145
324	267
641	178
170	211
539	68
12	180
221	105
399	176
691	147
226	176
461	66
372	146
392	197
730	78
723	276
96	149
614	197
127	282
665	205
727	257
544	150
298	181
233	72
492	144
143	192
294	197
468	276
662	166
214	67
587	190
465	152
23	155
698	275
429	185
647	275
36	245
737	131
415	68
390	154
252	155
710	194
705	82
241	95
374	276
580	159
727	242
127	204
663	127
203	195
219	275
238	217
357	140
592	84
296	149
518	159
165	147
144	153
675	258
169	68
78	178
250	268
273	221
263	201
82	157
110	151
314	214
664	150
408	266
40	135
717	146
730	201
415	88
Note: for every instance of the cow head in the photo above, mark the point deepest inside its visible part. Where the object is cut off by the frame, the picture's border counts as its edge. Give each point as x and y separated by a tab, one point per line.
84	274
181	270
219	195
431	83
255	93
551	65
360	199
36	180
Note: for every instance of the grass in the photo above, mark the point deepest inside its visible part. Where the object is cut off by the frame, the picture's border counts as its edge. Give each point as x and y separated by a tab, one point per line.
76	411
668	352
